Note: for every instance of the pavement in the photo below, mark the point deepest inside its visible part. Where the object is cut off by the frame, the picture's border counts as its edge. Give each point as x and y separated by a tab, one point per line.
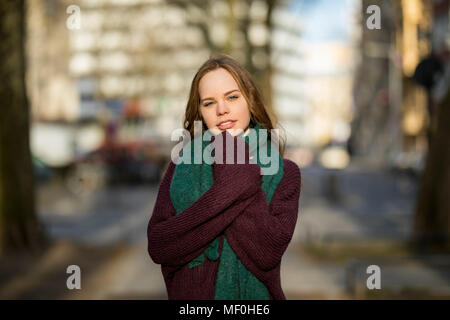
104	233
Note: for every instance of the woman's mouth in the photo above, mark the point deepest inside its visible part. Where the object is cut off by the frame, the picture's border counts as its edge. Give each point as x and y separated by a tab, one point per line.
226	125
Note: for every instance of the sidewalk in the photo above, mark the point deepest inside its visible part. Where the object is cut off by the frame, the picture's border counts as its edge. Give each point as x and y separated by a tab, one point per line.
363	220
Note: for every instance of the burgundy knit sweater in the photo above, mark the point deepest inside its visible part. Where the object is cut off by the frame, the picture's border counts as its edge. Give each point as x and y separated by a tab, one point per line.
258	233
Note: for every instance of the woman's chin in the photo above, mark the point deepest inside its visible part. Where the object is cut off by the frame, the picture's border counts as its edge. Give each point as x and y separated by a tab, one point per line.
232	131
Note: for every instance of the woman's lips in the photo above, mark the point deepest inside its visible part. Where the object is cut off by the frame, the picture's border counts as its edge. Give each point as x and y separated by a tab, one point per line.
226	126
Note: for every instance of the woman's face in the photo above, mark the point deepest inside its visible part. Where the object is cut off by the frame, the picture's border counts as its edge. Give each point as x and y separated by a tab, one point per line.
220	101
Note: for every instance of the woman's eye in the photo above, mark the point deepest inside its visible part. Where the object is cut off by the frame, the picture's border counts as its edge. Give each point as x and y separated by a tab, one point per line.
229	98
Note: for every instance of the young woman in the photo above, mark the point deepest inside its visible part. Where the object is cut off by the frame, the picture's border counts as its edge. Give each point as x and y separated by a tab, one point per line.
219	230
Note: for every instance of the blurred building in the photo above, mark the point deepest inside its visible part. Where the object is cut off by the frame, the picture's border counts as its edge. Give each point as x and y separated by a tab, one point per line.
289	101
136	60
391	116
314	76
139	55
140	50
128	59
51	88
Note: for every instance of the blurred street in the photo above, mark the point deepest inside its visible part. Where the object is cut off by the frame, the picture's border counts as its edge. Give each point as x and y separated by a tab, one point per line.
105	234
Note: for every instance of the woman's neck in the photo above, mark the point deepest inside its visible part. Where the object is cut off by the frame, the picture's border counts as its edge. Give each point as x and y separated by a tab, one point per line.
245	131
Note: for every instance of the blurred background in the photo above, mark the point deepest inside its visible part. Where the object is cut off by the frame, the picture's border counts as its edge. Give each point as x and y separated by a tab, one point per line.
91	91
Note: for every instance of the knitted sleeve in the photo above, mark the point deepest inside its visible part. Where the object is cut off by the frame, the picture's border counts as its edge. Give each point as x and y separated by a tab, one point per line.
175	240
261	234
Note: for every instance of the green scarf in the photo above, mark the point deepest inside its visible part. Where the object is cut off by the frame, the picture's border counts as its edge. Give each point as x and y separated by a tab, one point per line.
190	181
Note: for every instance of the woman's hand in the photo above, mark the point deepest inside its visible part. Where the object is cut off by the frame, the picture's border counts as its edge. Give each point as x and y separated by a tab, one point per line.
228	150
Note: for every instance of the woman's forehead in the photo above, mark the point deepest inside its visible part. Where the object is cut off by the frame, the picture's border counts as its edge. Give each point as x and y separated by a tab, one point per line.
218	81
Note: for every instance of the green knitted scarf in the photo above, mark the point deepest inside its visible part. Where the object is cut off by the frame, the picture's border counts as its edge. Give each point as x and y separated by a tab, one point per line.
190	181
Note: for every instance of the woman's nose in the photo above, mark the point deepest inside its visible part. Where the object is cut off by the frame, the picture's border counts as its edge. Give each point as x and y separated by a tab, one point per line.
222	107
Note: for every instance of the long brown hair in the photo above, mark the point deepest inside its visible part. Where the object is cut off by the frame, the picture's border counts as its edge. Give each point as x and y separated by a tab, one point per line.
258	111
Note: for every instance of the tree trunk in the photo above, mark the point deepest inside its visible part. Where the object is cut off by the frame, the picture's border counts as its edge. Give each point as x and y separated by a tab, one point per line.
432	223
19	227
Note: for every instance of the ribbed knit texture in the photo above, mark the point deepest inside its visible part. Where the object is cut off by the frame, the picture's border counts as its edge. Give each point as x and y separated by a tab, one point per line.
257	232
191	180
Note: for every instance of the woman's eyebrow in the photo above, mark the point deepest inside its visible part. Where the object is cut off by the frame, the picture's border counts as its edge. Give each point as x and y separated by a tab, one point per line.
226	93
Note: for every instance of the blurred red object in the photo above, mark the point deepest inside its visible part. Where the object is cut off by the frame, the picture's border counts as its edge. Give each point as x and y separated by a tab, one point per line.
131	109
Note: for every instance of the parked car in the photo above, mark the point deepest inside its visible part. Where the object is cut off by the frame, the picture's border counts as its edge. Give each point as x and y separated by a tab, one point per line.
112	163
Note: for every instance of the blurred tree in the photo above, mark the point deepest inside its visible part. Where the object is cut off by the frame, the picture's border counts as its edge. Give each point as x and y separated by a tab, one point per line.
383	95
374	112
432	219
19	227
